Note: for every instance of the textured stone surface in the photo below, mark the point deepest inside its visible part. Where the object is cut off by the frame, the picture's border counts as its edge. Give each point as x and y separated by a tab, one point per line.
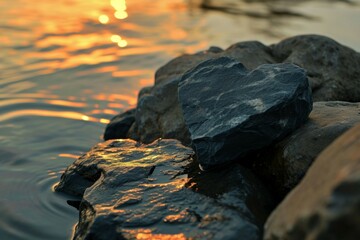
231	111
119	125
332	70
158	112
250	53
159	116
285	164
143	192
326	204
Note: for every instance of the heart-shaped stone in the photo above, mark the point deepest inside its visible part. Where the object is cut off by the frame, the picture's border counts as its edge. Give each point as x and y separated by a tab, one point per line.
231	111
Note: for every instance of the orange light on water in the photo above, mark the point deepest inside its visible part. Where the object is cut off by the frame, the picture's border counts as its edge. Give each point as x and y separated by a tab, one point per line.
121	14
131	73
104	19
106	69
116	105
119	5
68	155
130	99
106	111
105	121
48	113
65	103
122	43
177	34
146	82
115	38
85	118
10	102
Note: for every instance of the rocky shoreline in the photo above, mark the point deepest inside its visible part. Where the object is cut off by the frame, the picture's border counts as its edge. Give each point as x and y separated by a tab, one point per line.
246	116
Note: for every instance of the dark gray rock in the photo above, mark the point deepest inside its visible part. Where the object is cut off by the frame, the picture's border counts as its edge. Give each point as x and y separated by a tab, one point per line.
231	111
158	112
333	69
326	203
119	125
284	164
159	116
143	192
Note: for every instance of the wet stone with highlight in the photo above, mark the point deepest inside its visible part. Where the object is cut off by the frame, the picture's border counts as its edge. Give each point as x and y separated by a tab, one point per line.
138	191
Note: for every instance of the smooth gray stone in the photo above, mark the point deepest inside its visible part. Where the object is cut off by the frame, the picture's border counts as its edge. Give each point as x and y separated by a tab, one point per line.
156	191
231	111
284	164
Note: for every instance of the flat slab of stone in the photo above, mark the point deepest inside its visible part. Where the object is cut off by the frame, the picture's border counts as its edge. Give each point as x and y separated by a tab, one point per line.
326	203
231	111
140	191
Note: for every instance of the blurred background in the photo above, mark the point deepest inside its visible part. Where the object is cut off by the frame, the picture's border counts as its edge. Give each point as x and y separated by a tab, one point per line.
68	66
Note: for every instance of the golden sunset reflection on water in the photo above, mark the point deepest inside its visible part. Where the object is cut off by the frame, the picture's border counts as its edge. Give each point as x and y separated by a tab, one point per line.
68	43
104	19
68	155
47	113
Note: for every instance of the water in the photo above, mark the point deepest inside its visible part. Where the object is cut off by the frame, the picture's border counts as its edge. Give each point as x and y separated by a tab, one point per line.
68	66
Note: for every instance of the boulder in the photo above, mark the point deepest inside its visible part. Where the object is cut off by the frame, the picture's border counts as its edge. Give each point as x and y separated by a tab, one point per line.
136	191
326	203
284	164
231	111
332	70
158	113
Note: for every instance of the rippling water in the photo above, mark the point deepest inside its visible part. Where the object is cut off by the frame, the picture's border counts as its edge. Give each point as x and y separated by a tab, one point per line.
67	66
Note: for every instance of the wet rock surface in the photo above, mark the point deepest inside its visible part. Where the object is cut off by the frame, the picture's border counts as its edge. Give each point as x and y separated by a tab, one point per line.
332	70
284	164
326	204
231	111
144	192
